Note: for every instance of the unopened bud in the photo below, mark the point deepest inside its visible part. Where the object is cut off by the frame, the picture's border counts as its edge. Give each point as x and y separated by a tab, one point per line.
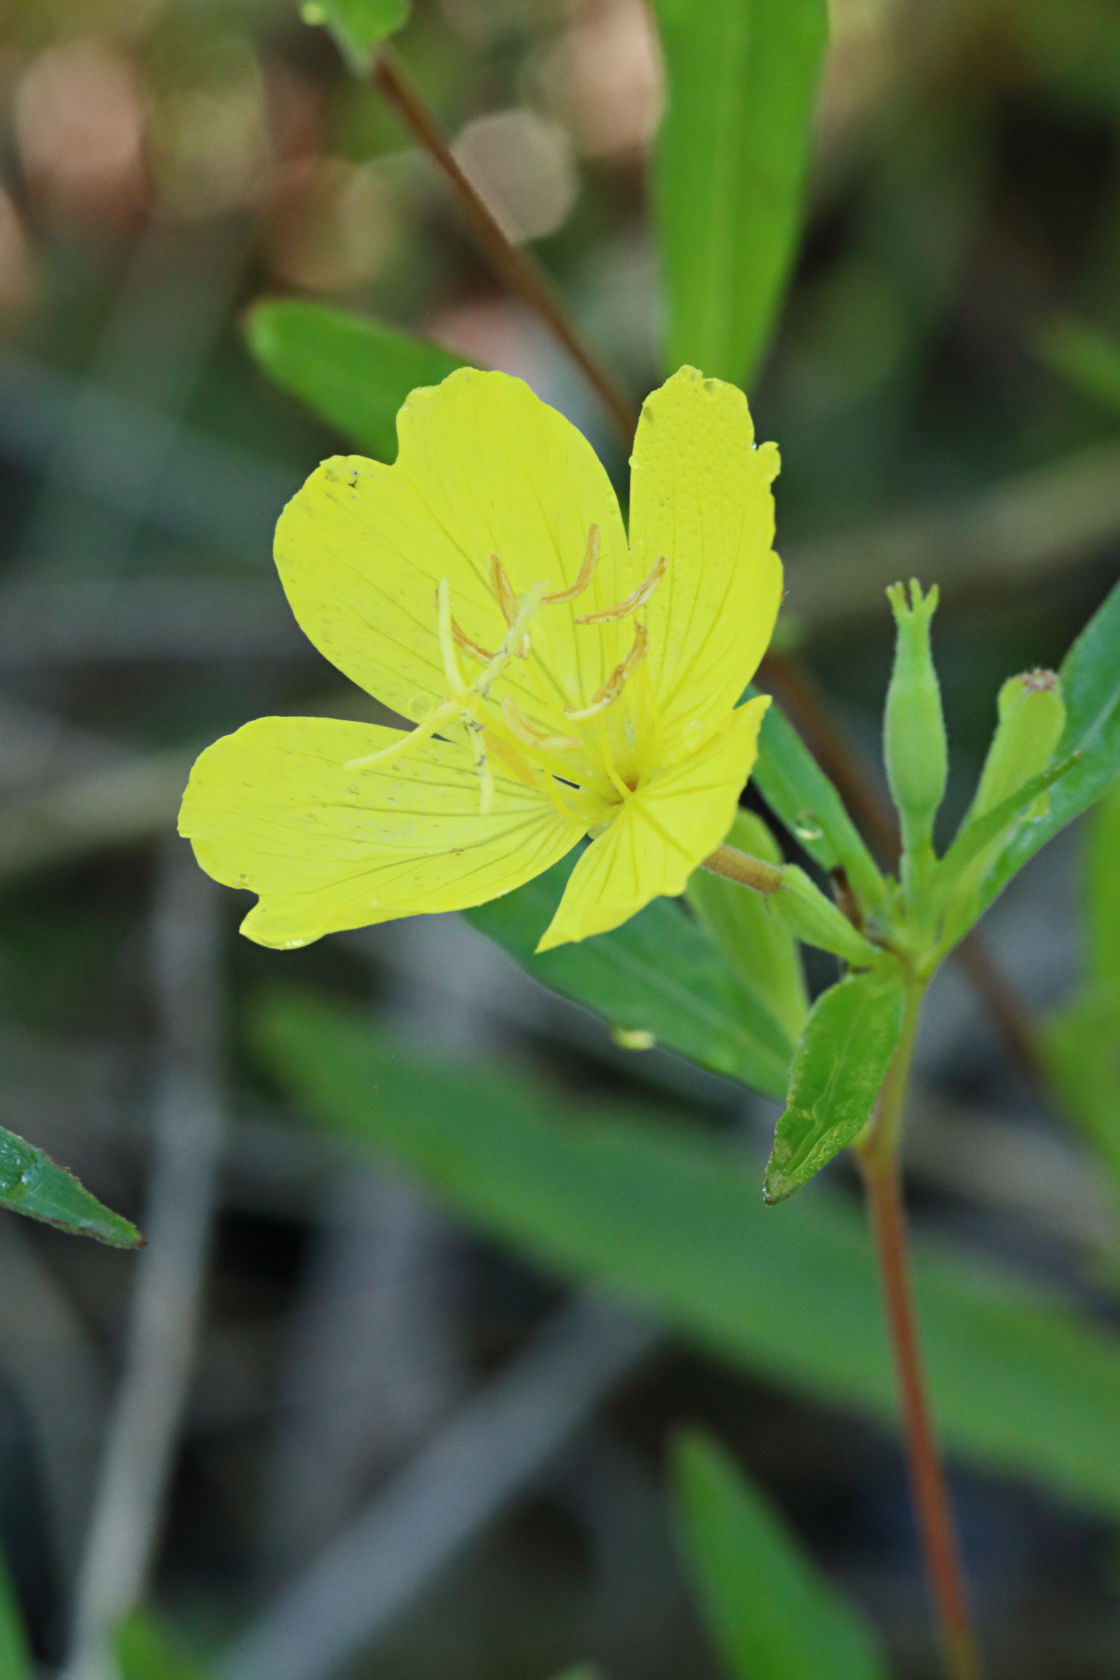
914	744
1032	716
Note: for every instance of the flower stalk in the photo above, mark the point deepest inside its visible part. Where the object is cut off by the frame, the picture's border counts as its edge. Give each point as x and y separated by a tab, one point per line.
877	1153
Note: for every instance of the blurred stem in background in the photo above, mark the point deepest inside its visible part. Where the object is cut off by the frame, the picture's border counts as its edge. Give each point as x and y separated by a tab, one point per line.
514	265
878	1157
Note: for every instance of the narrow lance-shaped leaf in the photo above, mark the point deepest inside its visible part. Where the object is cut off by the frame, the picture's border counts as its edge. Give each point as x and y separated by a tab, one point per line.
355	373
798	791
763	953
771	1616
32	1184
657	975
729	170
1091	686
671	1216
837	1071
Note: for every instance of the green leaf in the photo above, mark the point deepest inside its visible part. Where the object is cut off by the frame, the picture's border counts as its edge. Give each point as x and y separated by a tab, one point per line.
1087	358
764	954
1081	1048
1102	893
355	373
837	1070
1091	686
15	1659
729	170
358	25
770	1614
147	1651
798	791
1022	1382
657	975
32	1184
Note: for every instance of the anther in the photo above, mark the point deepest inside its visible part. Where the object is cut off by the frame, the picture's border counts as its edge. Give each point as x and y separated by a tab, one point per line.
586	572
612	688
519	725
480	653
507	600
633	602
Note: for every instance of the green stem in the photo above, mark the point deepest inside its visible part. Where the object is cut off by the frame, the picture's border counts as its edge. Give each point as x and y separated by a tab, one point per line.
878	1158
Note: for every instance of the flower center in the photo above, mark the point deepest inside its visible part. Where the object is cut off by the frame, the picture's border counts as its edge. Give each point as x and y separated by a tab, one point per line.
565	750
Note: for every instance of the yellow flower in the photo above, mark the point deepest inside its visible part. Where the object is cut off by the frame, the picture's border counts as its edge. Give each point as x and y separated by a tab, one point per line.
562	682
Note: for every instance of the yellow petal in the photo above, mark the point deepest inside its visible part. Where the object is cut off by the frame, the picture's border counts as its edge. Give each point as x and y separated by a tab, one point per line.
700	496
273	808
660	835
484	467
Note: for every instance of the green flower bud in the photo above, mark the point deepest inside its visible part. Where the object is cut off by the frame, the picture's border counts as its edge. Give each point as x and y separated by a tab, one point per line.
914	744
1032	716
806	912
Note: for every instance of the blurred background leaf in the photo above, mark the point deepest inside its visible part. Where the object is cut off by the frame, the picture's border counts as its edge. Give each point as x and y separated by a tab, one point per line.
146	1650
1086	357
768	1612
729	171
15	1661
672	1217
354	373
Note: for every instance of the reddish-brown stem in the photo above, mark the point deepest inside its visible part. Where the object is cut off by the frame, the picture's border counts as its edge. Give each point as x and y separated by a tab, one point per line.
878	1157
515	266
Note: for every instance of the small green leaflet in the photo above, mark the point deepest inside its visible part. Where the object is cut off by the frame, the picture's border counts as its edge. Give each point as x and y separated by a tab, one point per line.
769	1613
837	1070
32	1184
358	25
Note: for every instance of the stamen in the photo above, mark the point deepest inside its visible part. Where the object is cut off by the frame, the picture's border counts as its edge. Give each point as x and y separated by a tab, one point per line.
520	726
512	759
612	688
475	736
586	572
483	655
622	788
451	666
434	720
637	599
507	600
